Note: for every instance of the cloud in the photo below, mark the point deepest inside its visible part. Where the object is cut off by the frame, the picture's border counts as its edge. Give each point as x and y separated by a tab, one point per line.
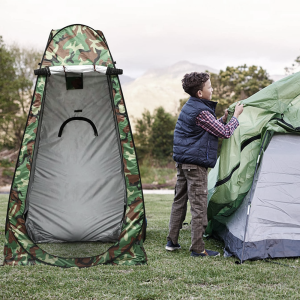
144	35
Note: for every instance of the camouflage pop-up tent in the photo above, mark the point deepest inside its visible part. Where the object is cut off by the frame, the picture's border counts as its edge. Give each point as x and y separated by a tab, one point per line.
77	176
254	203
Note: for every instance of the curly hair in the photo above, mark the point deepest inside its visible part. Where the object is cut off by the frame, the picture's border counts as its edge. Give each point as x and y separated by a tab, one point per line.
193	82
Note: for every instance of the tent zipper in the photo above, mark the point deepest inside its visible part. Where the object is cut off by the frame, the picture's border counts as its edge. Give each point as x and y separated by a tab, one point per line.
243	145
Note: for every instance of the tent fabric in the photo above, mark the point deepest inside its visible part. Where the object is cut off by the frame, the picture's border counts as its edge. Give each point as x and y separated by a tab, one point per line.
71	196
274	225
275	109
77	69
72	46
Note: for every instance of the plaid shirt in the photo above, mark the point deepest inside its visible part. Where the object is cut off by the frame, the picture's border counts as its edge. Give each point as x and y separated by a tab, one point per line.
216	127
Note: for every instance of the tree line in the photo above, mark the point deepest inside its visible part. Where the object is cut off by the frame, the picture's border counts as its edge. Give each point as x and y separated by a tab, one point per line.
153	132
16	87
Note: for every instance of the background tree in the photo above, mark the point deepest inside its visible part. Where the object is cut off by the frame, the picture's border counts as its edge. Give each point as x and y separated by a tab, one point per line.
237	83
25	61
142	135
154	135
8	108
16	87
181	103
294	68
161	138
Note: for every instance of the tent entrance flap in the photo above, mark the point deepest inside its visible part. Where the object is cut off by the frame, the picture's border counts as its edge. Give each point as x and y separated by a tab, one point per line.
70	196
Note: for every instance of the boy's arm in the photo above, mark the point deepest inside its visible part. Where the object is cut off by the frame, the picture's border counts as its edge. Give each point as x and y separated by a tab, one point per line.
208	122
223	119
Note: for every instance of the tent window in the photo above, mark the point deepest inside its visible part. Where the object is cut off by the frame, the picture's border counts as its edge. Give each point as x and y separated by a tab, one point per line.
74	81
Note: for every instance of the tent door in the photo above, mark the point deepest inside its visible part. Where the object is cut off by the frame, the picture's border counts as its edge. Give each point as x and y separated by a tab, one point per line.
77	189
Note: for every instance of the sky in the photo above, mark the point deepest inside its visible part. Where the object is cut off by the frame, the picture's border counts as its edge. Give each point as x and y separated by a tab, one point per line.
143	35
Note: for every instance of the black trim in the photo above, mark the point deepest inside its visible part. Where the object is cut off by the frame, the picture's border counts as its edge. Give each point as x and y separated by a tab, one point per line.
113	71
43	71
243	145
287	124
77	119
247	142
220	182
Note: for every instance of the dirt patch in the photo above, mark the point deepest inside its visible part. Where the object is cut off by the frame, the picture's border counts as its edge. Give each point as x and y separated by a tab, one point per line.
10	155
5	189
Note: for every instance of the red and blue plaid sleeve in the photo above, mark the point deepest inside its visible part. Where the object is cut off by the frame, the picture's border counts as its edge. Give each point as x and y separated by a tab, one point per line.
216	127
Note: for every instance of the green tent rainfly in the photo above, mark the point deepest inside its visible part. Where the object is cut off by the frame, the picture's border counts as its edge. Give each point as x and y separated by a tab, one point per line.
257	218
77	176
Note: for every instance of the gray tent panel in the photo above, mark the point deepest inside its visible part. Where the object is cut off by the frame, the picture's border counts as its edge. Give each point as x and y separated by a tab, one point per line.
274	222
70	195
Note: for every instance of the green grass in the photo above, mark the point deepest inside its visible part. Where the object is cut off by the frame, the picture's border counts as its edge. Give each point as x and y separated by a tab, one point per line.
173	275
5	163
158	172
75	249
7	173
156	175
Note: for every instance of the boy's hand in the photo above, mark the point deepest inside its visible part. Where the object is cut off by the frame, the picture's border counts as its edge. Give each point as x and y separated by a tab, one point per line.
238	109
224	118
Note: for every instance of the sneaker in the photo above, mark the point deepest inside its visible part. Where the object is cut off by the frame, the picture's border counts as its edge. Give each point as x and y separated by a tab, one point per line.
205	253
171	247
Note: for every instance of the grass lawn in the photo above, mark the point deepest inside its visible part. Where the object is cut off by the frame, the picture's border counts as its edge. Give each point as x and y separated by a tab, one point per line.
173	275
155	172
157	175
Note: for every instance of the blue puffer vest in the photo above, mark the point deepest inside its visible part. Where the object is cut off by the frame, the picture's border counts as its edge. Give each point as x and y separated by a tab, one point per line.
192	144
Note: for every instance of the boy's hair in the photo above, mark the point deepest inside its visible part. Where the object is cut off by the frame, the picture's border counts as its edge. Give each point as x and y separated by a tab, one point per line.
194	82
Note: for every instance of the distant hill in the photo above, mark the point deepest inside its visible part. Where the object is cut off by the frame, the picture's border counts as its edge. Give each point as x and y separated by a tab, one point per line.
159	87
126	79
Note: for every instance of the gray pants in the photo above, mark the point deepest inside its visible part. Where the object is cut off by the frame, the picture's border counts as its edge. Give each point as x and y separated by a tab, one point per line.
191	185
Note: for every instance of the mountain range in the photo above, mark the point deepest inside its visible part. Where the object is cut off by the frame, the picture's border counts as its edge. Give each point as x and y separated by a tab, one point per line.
160	87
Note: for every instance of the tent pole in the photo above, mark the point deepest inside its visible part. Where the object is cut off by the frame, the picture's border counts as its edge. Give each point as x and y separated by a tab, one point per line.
251	190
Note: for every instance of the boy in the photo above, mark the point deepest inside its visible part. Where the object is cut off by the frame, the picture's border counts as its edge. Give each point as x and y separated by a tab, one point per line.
195	149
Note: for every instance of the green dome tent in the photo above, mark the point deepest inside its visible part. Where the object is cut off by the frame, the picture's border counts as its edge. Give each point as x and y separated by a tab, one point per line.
77	176
254	203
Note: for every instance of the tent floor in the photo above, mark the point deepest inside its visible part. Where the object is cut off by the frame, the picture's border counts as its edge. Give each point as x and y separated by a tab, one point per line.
80	249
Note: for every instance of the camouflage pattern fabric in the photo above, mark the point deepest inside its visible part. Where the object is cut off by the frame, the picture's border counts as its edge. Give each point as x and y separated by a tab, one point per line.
76	45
